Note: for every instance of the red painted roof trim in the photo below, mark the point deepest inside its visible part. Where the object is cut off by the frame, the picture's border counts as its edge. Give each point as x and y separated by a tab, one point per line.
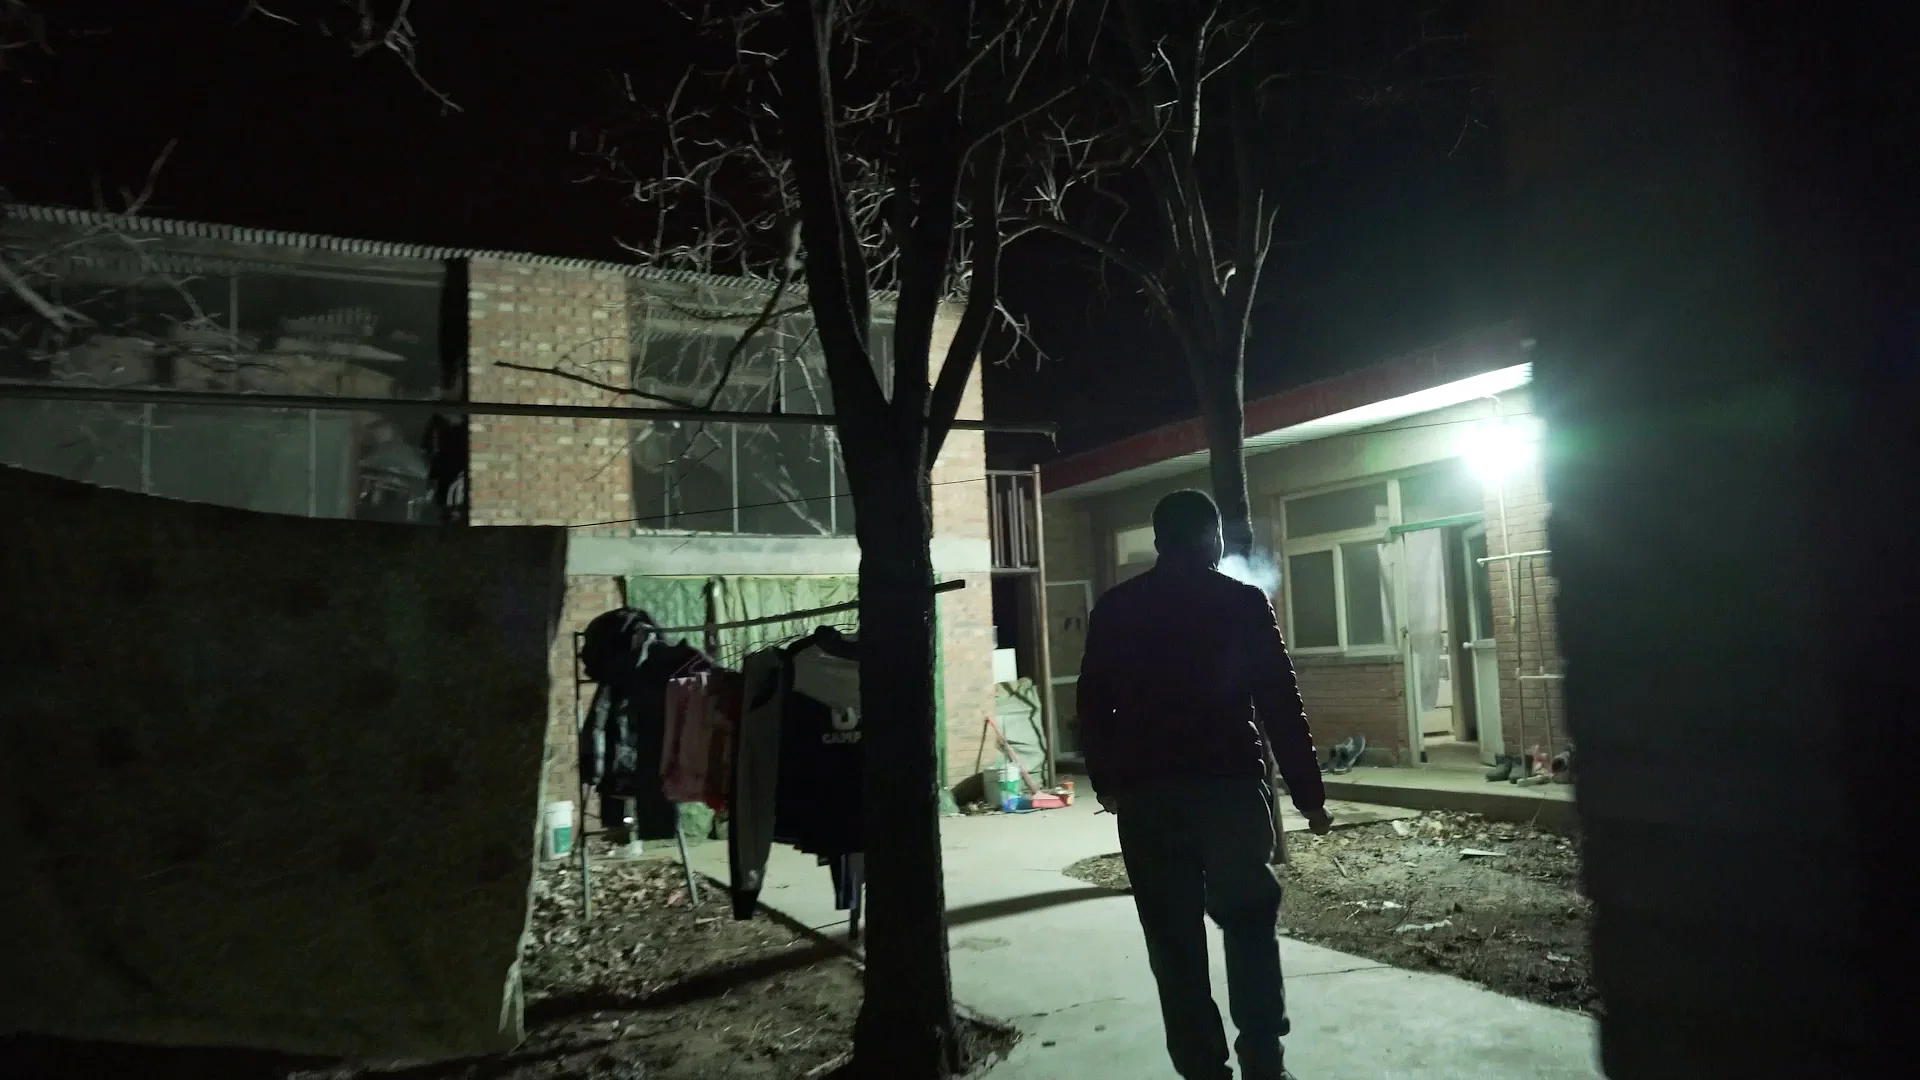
1471	354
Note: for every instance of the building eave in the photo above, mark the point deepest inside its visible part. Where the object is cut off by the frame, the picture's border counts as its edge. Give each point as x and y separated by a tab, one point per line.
1475	365
72	218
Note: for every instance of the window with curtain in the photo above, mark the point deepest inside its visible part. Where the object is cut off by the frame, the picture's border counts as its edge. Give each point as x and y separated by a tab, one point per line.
1338	581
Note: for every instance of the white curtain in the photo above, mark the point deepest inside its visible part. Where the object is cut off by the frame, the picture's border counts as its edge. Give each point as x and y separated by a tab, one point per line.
1426	611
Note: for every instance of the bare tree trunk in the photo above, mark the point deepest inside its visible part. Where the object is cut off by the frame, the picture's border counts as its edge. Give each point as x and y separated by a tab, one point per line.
1224	412
906	1029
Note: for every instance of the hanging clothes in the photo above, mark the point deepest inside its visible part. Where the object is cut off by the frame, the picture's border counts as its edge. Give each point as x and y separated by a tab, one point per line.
686	741
756	771
622	739
727	693
702	711
798	765
817	801
849	877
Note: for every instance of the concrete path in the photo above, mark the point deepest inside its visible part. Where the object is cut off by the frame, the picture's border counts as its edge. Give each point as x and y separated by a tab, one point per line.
1064	962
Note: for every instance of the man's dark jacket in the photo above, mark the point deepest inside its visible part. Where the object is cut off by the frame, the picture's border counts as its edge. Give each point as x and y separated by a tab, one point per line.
1184	668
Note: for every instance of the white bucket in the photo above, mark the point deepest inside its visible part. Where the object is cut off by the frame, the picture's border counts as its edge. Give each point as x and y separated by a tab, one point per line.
558	829
999	782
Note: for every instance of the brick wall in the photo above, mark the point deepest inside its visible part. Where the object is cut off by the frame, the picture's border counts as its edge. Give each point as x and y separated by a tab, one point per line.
1346	697
1521	642
544	470
966	617
1069	546
547	471
536	470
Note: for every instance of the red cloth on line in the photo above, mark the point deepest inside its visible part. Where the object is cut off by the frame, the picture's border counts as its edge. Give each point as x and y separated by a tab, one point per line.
696	759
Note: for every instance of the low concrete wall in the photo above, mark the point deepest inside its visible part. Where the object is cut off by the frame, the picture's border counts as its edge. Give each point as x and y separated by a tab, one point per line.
1500	802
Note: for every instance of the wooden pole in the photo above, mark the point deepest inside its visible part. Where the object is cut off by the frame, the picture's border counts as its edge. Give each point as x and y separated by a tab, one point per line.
1049	709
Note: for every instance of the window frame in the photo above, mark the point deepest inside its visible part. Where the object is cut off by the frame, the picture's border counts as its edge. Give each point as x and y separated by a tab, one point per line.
1119	570
722	335
1333	543
1383	533
1379	534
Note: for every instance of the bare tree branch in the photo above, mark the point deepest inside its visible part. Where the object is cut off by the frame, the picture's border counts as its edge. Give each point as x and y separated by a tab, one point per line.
983	302
365	29
22	28
597	384
760	322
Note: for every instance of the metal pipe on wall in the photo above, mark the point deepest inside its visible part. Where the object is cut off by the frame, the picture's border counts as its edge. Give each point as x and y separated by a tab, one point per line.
1540	645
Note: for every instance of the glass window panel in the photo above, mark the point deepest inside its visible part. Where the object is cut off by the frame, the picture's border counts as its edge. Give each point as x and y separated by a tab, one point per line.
189	317
94	444
784	480
769	479
1361	507
1366	594
337	333
1448	491
1310	591
256	459
679	362
1134	546
842	501
682	476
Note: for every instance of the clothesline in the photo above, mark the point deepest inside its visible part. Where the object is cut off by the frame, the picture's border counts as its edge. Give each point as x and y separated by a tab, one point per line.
791	616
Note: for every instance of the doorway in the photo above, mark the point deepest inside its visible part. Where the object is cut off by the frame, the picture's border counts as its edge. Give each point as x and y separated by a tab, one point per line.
1453	686
1482	658
1069	603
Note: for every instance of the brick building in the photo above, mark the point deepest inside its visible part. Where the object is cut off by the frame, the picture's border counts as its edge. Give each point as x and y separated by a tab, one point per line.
694	520
1404	509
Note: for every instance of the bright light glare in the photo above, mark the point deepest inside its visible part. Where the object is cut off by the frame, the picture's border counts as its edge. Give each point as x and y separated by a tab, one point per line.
1497	448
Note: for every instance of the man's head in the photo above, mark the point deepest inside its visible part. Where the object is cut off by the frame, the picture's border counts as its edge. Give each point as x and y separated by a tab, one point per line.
1186	529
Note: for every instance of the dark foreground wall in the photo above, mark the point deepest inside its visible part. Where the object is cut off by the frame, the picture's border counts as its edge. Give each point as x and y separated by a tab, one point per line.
1719	232
266	782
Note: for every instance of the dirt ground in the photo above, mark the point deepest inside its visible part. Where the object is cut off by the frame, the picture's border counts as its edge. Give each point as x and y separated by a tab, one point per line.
653	987
657	986
1415	894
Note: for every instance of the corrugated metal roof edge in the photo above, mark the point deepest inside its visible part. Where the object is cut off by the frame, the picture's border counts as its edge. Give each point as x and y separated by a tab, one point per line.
237	234
1086	467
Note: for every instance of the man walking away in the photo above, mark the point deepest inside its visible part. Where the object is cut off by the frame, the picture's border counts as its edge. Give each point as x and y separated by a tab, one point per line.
1185	671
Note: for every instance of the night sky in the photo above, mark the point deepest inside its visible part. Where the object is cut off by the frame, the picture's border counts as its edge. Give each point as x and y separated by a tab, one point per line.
1398	237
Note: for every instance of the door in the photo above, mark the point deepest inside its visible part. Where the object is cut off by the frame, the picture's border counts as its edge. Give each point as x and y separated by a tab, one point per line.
1429	675
1480	646
1068	604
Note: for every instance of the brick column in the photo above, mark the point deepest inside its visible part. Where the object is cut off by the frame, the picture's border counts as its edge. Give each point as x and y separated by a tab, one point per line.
966	617
547	470
1524	629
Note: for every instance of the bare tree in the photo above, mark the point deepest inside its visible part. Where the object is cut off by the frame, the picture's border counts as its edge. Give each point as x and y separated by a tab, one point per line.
22	29
857	152
1204	106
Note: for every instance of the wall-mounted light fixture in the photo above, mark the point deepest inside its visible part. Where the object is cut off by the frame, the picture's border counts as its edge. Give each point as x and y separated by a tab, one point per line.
1498	447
